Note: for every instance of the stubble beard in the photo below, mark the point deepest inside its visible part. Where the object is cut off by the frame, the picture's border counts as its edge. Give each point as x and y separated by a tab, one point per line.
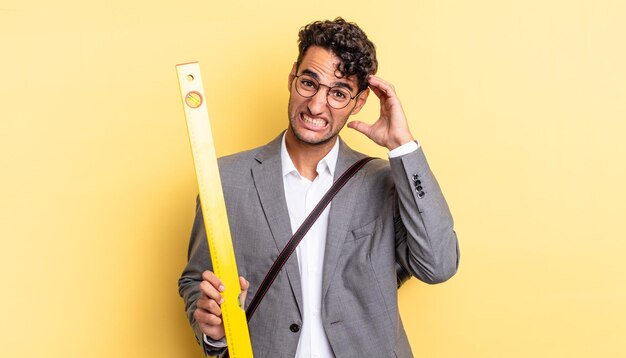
292	125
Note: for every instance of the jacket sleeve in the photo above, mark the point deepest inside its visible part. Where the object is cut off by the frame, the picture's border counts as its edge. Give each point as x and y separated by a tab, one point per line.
426	244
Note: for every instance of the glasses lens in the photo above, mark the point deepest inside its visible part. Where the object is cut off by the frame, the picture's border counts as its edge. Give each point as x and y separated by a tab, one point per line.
338	97
306	86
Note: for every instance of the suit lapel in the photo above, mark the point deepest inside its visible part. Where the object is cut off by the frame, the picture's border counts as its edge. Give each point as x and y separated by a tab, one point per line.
341	209
267	176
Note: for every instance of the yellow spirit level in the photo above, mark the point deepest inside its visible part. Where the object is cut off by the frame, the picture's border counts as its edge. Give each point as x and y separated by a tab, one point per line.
214	208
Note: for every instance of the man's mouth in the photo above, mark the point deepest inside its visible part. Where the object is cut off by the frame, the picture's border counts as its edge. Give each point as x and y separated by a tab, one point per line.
313	122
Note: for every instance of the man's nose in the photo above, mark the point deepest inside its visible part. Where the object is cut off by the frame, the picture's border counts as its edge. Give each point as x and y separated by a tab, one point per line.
318	102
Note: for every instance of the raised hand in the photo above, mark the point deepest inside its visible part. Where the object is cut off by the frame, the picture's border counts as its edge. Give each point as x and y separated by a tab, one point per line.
391	129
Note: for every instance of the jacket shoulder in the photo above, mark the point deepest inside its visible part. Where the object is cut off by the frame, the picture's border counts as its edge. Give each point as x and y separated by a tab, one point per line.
237	161
378	171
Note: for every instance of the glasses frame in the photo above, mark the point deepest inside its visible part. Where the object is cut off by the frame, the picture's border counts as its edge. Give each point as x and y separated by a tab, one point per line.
327	93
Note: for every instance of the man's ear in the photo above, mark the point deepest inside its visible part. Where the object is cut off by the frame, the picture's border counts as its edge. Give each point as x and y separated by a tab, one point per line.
292	75
360	101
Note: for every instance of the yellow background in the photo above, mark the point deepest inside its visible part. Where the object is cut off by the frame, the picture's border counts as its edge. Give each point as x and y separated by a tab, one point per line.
519	105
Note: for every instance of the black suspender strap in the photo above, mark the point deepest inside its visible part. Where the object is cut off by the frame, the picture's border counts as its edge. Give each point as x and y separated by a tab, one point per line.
299	235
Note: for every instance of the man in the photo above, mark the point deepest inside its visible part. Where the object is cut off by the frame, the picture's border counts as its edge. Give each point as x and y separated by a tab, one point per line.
338	295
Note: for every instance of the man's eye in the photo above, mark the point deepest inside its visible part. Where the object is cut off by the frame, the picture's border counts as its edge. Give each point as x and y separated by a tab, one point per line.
339	94
307	83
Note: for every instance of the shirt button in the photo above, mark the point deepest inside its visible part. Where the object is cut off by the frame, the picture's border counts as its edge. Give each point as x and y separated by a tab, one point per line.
294	328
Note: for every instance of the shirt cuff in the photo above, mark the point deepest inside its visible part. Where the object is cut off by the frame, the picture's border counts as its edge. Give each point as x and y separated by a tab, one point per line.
212	343
404	149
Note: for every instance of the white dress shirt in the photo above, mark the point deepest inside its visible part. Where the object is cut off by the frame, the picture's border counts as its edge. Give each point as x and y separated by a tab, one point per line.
302	196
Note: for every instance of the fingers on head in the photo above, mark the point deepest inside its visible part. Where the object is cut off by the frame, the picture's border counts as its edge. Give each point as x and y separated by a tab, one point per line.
381	87
378	92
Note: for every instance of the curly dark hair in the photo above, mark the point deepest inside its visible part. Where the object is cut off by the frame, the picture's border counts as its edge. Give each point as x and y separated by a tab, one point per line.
356	53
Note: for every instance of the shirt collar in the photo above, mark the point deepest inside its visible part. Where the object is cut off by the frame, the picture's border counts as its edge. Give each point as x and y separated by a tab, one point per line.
327	163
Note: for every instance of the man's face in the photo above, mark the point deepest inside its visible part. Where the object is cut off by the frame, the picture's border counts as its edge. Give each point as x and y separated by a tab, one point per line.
312	120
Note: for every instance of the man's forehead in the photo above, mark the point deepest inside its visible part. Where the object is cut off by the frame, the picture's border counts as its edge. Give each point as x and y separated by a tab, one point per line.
324	65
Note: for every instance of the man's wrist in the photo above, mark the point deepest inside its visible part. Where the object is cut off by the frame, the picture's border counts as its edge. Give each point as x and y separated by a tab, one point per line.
398	142
216	344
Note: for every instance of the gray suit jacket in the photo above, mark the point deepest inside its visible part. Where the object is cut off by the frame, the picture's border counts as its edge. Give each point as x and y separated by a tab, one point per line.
389	212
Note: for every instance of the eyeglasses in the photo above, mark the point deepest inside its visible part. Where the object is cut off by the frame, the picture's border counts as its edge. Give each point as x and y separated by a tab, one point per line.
337	97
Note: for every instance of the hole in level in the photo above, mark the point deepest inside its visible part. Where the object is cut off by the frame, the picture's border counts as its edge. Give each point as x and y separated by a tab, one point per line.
189	78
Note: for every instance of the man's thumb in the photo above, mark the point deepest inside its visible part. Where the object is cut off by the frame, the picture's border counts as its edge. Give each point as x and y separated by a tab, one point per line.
244	284
360	126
